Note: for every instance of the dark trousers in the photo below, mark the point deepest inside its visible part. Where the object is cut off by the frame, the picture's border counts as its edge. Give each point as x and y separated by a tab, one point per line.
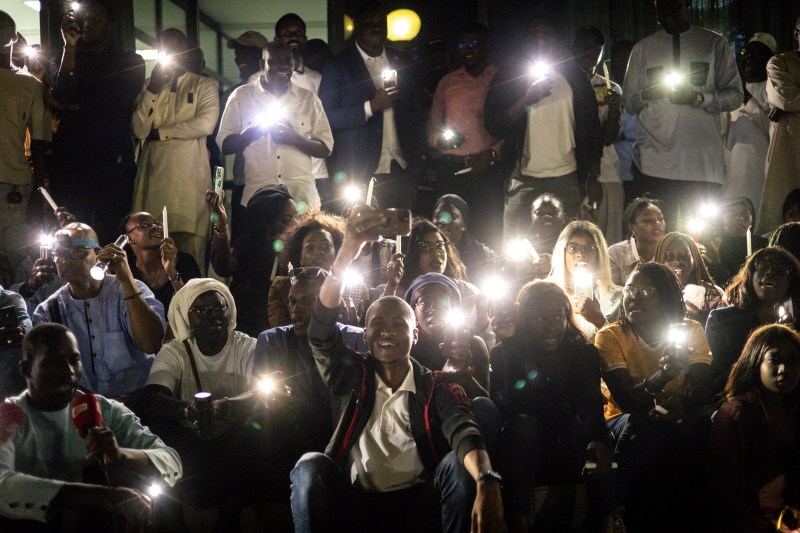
323	500
681	199
483	193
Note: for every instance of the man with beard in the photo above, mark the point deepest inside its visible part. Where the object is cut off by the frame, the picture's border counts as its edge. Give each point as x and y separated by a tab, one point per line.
279	127
92	168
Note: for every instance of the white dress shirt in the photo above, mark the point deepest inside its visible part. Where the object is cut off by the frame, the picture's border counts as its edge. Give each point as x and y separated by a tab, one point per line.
390	145
310	79
267	162
385	457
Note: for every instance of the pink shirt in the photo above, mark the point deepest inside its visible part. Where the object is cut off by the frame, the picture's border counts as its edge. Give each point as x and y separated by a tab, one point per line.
458	103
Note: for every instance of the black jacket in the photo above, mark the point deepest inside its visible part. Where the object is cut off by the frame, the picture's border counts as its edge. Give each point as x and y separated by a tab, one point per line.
440	414
511	83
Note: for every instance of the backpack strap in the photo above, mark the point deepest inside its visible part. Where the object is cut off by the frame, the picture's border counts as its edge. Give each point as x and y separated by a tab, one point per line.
54	311
194	365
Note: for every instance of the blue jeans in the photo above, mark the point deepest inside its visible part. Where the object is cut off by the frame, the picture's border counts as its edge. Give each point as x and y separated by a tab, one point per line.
323	500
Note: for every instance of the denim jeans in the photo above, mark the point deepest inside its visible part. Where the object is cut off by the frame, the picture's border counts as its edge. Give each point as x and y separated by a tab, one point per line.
323	500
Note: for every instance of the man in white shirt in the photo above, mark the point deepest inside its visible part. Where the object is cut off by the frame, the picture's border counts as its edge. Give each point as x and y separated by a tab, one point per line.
279	127
175	112
377	123
679	80
43	463
291	31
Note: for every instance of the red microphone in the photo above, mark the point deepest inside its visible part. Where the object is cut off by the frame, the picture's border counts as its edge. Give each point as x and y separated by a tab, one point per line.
86	413
11	417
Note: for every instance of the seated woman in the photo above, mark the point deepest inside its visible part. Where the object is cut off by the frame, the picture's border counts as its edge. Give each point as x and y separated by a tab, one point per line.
791	207
581	254
206	355
646	227
728	252
653	382
312	241
546	384
252	259
453	217
444	343
756	434
156	261
679	253
769	278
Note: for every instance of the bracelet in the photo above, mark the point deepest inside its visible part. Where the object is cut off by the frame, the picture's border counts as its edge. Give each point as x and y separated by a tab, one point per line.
219	233
133	296
176	279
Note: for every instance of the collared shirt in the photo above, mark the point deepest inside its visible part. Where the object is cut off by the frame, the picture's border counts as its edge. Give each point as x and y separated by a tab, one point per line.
310	79
267	162
385	457
458	103
390	145
549	149
46	452
112	364
22	109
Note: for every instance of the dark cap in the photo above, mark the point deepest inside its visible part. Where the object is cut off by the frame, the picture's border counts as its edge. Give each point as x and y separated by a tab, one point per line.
249	38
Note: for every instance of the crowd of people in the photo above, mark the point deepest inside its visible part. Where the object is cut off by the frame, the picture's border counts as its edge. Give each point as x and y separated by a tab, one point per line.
600	294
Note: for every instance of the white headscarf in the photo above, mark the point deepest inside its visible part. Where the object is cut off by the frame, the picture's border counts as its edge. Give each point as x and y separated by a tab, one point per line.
178	314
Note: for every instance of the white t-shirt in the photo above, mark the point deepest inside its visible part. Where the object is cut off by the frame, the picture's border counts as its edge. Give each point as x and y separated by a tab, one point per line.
226	374
549	149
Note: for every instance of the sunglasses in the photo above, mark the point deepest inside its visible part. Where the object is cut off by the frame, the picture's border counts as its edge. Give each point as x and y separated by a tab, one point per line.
202	311
636	292
427	247
589	249
144	224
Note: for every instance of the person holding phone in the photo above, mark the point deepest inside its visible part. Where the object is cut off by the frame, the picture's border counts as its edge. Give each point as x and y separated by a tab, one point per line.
755	435
546	383
769	279
651	383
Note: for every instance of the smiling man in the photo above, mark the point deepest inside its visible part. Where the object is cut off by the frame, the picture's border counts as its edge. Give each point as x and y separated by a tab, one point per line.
406	438
279	127
42	465
118	322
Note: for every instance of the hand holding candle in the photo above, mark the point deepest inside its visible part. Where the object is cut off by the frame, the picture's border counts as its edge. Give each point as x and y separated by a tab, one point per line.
48	198
369	191
605	73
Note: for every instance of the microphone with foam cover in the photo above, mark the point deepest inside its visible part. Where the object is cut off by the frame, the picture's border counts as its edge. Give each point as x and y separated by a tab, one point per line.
86	413
11	417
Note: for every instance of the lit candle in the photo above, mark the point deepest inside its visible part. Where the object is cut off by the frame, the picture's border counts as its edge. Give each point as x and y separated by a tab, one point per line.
274	269
749	242
48	198
531	250
398	249
605	72
164	222
369	190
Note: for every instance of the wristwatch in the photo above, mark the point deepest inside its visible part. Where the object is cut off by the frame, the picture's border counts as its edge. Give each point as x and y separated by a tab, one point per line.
490	474
698	100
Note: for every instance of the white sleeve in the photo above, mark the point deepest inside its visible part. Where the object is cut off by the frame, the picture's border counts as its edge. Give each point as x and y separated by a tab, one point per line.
22	496
167	369
231	121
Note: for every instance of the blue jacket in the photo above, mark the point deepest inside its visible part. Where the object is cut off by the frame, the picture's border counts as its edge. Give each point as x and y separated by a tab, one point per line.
345	86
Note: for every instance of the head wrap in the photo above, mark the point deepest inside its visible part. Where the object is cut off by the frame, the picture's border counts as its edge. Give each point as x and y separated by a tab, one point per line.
766	39
178	315
436	278
457	202
264	208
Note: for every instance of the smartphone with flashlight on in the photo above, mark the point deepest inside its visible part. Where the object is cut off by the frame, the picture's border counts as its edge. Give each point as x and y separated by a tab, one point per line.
389	79
785	312
219	175
679	340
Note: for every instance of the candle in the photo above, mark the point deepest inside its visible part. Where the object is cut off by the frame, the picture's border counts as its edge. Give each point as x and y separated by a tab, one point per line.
274	269
164	222
398	249
48	198
369	190
531	250
749	242
605	72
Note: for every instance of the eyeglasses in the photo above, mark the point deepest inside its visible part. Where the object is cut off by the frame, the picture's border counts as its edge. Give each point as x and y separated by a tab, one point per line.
765	267
428	304
636	292
307	273
589	249
71	253
201	311
463	45
145	224
427	247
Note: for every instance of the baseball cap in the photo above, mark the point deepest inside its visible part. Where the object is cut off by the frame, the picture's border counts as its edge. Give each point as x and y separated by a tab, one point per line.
249	38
